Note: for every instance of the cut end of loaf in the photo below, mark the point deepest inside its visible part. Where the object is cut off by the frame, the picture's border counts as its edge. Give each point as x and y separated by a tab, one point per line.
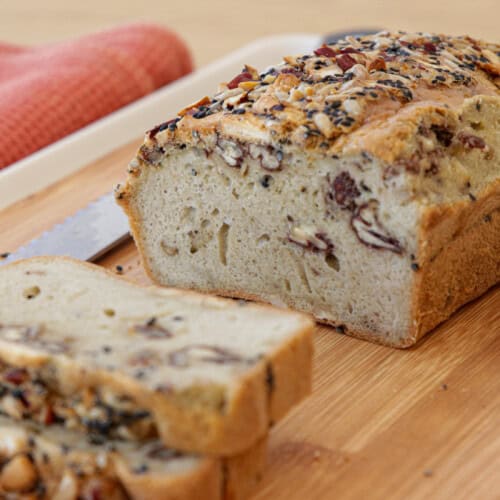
309	185
190	368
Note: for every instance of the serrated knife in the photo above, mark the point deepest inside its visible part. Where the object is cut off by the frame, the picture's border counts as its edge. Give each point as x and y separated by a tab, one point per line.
102	225
86	235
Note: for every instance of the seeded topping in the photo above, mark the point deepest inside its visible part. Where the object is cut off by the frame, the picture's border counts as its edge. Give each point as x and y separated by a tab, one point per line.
334	90
42	463
98	412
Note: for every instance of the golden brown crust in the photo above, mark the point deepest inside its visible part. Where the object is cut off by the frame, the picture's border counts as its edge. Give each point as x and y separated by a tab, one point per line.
459	257
316	101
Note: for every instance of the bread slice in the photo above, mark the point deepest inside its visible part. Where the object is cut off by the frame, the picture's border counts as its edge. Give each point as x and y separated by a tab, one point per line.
360	183
55	463
79	345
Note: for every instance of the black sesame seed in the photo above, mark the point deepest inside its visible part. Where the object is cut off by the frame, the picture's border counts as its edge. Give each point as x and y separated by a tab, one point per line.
107	349
239	111
4	255
141	469
364	187
266	180
119	269
96	439
487	218
270	382
472	197
17	393
172	125
340	329
414	266
194	172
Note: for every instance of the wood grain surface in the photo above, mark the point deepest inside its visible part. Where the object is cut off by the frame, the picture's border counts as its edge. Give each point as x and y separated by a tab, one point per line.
381	424
423	423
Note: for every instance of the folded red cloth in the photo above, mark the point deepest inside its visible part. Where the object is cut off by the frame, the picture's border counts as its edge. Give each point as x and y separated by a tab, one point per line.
50	91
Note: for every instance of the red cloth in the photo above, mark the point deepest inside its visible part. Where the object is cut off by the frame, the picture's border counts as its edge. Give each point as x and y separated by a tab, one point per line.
50	91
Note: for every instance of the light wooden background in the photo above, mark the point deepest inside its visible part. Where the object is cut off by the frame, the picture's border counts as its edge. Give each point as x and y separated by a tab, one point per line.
214	27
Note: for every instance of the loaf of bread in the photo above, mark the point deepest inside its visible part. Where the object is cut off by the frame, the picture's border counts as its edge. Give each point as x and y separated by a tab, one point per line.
54	463
359	183
81	347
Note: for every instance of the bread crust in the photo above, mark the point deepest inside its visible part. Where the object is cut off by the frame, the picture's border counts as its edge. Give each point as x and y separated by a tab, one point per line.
278	107
459	257
60	461
253	404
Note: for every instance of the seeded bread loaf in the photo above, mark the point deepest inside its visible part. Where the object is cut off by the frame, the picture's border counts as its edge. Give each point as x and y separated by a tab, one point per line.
54	463
80	346
360	183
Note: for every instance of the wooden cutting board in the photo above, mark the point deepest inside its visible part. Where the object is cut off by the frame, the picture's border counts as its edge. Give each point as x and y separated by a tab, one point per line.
381	423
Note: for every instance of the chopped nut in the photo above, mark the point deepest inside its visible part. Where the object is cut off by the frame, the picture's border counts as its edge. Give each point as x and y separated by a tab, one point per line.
324	124
370	231
248	85
19	474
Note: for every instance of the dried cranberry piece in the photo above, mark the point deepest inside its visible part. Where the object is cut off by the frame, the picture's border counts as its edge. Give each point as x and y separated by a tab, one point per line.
349	50
430	48
471	141
345	62
325	51
16	376
443	134
49	417
377	64
244	76
293	71
344	190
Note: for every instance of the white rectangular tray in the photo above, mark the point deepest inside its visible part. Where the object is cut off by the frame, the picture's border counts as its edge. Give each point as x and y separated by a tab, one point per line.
121	127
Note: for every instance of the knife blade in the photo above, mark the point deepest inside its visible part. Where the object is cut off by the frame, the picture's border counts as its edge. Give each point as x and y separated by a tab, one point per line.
101	225
86	235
